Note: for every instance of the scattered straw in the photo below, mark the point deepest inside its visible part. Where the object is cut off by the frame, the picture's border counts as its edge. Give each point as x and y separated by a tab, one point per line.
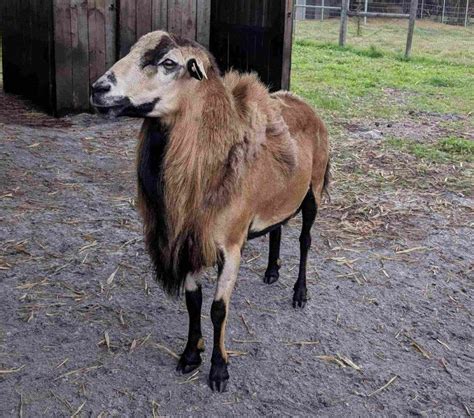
81	370
384	386
62	363
191	378
349	362
410	250
236	353
10	371
154	408
112	276
166	350
332	359
425	353
246	325
235	340
302	343
78	410
443	344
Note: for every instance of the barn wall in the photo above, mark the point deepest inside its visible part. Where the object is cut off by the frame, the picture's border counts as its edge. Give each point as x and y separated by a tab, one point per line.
54	49
188	18
250	35
28	49
90	35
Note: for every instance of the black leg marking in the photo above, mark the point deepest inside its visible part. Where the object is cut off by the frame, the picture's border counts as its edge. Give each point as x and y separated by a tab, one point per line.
218	376
272	274
309	210
191	357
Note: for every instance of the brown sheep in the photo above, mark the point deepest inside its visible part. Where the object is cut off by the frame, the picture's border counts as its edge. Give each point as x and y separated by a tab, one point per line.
220	161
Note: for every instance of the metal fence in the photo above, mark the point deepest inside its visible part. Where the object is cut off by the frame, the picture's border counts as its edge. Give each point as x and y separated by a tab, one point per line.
457	12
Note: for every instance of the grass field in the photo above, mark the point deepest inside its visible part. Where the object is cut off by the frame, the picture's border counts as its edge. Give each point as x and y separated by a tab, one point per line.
353	81
421	108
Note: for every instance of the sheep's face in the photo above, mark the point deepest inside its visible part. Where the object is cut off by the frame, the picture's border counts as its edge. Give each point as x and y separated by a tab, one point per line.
152	78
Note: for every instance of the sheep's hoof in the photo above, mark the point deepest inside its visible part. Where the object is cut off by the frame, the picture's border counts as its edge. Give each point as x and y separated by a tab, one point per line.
271	277
218	378
189	361
300	297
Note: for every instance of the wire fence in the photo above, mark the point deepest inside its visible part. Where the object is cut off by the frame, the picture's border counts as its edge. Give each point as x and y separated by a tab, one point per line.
456	12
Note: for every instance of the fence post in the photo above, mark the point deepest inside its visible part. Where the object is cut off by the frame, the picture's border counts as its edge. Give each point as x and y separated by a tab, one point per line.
366	5
343	29
442	13
465	16
322	10
411	27
422	7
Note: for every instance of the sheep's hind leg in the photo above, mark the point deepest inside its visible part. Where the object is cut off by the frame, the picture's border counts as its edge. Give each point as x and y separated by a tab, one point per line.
272	274
191	357
309	210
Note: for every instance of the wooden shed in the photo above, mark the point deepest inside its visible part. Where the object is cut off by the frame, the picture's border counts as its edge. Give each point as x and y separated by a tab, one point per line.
54	49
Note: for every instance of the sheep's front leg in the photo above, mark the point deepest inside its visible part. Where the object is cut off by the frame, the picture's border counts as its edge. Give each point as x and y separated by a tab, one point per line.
228	271
191	357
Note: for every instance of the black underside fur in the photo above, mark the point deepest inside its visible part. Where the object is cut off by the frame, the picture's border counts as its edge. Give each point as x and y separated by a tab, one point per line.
172	262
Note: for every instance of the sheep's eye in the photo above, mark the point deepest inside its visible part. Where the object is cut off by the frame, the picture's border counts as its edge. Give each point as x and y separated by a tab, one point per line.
168	64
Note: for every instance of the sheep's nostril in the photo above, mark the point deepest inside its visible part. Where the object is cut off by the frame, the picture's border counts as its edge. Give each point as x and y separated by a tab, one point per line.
101	88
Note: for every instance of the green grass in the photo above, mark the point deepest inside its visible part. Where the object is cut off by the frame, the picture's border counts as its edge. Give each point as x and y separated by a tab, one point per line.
370	77
448	150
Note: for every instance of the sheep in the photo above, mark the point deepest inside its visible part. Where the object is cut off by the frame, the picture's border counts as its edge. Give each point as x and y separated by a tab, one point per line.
220	161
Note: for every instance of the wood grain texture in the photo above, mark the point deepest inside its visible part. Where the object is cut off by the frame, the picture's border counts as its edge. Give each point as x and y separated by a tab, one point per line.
174	16
188	19
63	55
97	43
287	44
203	22
254	35
111	13
80	54
128	26
160	14
144	17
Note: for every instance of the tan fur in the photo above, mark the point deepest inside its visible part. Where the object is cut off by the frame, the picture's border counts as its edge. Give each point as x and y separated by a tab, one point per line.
238	158
230	142
218	158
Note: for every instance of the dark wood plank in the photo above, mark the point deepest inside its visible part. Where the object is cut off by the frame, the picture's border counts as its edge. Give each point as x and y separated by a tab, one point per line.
97	43
111	14
29	33
80	54
43	58
144	17
287	44
7	29
160	14
35	47
128	26
203	22
63	55
188	19
174	17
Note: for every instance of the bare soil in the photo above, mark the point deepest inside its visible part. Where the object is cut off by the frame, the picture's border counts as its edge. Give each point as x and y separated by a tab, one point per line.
85	331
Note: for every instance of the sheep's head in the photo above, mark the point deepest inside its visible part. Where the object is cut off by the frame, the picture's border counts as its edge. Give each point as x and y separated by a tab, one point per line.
152	78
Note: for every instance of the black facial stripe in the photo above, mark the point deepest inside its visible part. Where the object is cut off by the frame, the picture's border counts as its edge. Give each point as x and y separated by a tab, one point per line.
112	79
140	110
153	56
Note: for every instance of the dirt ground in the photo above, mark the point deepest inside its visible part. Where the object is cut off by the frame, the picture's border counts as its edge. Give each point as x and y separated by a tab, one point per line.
84	330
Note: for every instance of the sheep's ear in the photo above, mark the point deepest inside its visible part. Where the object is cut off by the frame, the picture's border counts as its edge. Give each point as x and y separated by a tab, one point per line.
196	70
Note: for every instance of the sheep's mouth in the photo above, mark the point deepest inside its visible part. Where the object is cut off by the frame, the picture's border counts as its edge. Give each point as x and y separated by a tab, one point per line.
123	106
